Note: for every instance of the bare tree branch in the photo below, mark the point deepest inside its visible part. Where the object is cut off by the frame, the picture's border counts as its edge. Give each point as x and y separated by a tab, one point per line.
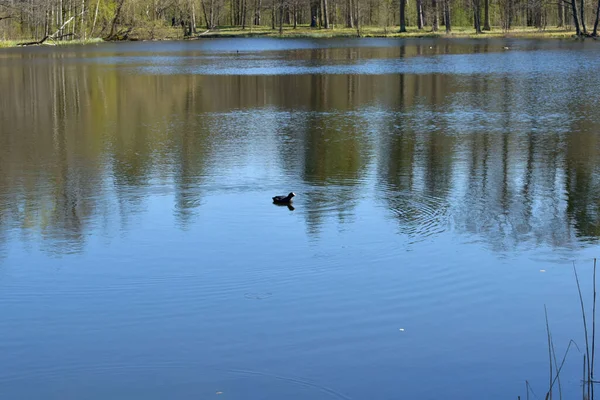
54	35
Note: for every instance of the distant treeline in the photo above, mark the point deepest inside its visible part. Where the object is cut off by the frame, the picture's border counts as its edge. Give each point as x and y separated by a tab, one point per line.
115	19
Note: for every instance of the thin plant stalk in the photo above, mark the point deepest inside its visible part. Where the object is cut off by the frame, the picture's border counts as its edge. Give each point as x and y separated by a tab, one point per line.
549	394
593	333
557	370
585	330
562	363
583	380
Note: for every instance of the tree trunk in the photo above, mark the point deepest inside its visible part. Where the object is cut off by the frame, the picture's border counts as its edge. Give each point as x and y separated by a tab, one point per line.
273	14
320	14
595	32
244	7
257	6
402	16
561	20
575	19
434	11
420	14
477	15
46	22
281	17
314	11
95	19
332	14
205	15
325	15
113	25
234	7
193	18
72	12
295	14
82	19
357	17
447	16
486	15
60	14
582	18
208	14
349	19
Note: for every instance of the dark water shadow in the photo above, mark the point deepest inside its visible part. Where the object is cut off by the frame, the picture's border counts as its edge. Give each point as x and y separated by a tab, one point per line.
289	206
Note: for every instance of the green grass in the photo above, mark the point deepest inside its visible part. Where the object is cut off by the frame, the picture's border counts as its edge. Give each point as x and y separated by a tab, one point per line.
392	31
304	31
14	43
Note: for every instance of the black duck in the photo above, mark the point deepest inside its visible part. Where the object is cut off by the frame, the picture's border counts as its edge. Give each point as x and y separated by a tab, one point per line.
283	199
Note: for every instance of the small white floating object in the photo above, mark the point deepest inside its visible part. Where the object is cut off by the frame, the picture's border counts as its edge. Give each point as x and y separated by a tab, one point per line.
542	270
401	329
506	48
430	47
219	393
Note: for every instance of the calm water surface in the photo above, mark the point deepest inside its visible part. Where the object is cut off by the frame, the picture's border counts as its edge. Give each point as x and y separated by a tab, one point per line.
444	189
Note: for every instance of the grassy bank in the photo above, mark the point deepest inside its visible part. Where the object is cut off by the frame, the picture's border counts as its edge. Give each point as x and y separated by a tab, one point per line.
168	33
15	43
392	31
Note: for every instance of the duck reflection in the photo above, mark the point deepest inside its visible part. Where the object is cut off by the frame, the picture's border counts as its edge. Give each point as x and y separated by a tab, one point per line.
289	206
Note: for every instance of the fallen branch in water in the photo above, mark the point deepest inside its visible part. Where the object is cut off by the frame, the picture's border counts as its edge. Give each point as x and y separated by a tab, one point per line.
120	35
34	43
64	36
51	37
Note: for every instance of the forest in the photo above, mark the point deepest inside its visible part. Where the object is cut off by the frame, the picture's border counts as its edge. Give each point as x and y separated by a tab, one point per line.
40	20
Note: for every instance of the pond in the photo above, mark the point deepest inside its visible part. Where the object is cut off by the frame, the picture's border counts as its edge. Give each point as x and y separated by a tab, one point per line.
444	190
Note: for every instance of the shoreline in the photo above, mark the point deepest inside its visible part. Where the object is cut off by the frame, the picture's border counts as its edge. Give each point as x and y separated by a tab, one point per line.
172	34
389	32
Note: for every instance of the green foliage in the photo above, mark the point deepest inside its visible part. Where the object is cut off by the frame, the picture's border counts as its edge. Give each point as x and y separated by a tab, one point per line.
162	19
461	16
155	30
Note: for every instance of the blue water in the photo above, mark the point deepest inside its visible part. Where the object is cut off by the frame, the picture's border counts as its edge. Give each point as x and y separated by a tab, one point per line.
444	190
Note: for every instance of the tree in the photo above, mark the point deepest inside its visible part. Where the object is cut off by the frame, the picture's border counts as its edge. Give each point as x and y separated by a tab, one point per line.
281	17
116	19
314	12
447	16
560	14
434	11
209	14
402	16
257	7
113	25
595	32
325	14
477	15
506	14
420	14
357	16
486	18
349	14
582	17
575	19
